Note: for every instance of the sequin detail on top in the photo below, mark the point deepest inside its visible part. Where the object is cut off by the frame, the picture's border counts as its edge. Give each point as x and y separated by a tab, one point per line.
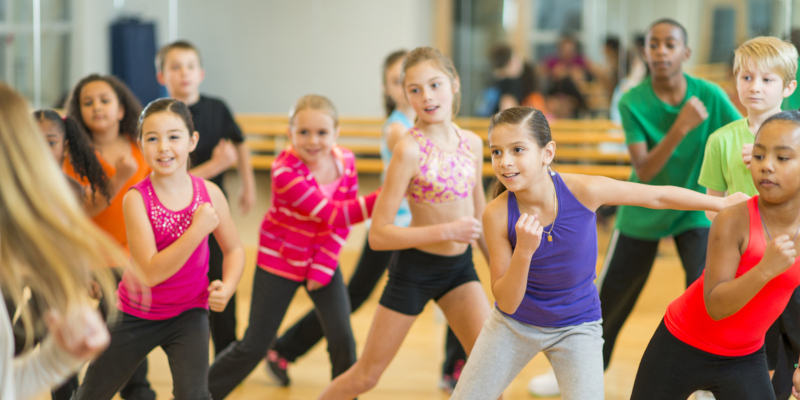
443	176
172	223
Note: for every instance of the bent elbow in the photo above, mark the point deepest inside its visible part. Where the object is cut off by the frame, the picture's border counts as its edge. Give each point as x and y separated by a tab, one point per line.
715	314
644	176
376	241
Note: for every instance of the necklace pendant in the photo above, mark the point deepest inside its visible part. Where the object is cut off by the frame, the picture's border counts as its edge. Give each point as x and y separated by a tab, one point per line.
549	238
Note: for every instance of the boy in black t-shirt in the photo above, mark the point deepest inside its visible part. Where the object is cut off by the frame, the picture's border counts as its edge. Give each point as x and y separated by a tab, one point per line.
221	145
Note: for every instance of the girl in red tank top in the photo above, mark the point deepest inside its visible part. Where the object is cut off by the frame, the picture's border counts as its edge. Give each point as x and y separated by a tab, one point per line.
712	337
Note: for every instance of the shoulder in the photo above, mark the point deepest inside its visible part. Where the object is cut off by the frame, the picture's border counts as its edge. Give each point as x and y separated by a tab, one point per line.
212	101
133	198
727	132
346	155
632	96
474	140
406	148
732	223
584	186
496	212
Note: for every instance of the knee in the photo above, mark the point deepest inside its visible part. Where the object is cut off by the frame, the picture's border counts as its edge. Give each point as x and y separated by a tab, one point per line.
365	379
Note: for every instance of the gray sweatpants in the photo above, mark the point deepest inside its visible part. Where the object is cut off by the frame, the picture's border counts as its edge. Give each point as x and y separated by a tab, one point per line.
505	346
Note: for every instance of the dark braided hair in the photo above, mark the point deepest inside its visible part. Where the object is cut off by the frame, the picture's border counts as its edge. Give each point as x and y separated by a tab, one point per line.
126	99
80	149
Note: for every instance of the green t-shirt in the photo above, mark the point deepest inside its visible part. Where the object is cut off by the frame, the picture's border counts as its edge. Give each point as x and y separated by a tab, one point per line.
645	118
723	169
792	102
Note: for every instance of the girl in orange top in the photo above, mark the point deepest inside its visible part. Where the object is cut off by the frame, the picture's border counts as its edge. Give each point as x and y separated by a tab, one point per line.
107	110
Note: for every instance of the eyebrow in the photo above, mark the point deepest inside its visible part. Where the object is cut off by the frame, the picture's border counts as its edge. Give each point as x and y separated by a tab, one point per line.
510	144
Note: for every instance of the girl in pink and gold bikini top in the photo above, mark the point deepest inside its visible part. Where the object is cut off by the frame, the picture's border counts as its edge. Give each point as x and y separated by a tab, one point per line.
443	176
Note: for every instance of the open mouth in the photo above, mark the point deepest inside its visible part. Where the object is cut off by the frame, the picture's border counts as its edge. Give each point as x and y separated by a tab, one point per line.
767	183
510	175
165	160
431	109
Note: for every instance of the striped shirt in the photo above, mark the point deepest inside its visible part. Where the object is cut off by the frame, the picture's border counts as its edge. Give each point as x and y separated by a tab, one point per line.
304	231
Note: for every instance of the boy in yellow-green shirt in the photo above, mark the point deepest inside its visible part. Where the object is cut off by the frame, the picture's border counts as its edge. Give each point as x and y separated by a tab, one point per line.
765	70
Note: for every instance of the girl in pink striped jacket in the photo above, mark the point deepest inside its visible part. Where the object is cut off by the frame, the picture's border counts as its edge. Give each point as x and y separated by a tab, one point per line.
314	202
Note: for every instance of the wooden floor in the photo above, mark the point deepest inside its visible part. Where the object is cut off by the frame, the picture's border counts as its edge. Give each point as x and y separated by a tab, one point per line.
415	372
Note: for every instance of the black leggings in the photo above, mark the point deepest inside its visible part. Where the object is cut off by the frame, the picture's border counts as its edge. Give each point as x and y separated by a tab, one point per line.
303	335
272	295
628	264
223	324
671	369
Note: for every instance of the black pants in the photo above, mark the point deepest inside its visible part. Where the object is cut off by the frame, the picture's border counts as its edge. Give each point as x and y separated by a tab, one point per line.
628	264
223	324
185	340
272	295
783	347
671	369
303	335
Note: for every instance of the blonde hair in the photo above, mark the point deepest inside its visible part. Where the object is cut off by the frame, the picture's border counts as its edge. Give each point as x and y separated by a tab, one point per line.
314	102
440	61
769	54
46	240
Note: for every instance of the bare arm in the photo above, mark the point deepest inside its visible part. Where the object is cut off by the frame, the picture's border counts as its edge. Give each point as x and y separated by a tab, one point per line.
247	194
724	293
232	251
711	192
478	196
384	235
594	191
508	268
649	163
157	266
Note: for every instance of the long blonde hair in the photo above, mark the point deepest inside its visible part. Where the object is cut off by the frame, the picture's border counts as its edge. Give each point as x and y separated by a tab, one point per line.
46	240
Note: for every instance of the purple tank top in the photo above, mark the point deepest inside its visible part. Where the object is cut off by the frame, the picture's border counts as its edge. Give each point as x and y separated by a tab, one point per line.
561	290
188	288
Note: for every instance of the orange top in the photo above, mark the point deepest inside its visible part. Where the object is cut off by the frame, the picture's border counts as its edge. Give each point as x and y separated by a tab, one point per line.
111	219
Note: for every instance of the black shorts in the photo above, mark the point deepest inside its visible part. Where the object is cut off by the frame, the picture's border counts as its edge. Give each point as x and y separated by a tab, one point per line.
415	277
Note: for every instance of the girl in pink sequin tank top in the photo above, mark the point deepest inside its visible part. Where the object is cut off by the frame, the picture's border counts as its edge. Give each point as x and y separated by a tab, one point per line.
168	217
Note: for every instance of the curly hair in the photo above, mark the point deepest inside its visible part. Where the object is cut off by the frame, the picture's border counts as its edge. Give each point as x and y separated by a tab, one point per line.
126	99
81	151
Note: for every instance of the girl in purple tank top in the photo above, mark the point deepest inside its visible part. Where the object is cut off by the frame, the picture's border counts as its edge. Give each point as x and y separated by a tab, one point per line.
168	217
542	243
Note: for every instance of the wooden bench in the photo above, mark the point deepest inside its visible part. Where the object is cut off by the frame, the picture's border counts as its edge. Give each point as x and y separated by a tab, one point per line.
593	147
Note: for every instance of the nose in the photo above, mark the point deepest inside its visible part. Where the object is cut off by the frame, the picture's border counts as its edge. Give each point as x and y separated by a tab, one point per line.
506	160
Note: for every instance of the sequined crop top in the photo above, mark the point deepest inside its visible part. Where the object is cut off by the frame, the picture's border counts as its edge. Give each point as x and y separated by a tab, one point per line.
443	176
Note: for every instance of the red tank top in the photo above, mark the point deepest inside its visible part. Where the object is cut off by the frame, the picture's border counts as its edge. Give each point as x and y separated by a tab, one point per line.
742	333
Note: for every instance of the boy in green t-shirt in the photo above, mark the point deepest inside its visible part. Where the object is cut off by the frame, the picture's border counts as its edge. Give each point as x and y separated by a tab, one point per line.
765	70
667	119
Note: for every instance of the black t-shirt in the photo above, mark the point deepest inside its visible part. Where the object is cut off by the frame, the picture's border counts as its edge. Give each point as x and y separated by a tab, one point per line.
213	121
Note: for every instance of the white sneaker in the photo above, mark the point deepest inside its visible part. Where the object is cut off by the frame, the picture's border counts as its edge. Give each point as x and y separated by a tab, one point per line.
544	385
703	395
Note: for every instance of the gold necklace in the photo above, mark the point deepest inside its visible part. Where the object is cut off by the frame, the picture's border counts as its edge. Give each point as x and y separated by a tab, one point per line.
555	208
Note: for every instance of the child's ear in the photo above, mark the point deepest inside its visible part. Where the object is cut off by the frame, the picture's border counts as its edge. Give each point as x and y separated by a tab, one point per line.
456	85
549	152
687	52
160	78
193	139
121	113
790	88
202	74
336	134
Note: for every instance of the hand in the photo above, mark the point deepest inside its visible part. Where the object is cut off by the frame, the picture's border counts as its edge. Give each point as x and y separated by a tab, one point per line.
205	218
735	198
247	199
747	154
465	229
126	167
778	256
95	293
312	285
529	232
224	153
217	296
692	114
82	333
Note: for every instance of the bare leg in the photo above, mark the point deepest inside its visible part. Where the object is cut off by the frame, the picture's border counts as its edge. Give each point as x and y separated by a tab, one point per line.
389	329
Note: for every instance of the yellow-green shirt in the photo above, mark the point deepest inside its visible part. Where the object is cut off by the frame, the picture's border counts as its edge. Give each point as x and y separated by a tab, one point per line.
723	169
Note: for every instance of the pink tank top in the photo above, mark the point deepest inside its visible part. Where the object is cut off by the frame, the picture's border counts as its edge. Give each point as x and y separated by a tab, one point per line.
743	332
443	176
188	288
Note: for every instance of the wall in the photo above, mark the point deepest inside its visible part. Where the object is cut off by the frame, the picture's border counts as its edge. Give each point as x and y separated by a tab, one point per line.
263	55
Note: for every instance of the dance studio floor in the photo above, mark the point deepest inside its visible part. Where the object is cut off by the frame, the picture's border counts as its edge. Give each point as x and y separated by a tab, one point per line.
415	372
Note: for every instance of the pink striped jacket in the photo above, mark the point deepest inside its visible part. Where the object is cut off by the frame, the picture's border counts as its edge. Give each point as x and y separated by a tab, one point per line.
304	231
